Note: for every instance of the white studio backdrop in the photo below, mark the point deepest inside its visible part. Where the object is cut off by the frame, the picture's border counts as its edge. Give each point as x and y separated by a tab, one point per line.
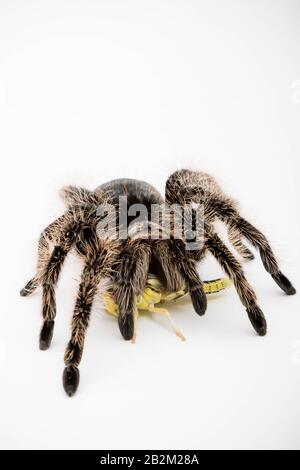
95	90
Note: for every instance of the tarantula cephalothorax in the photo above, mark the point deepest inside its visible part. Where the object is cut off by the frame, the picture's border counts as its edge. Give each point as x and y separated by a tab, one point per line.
128	260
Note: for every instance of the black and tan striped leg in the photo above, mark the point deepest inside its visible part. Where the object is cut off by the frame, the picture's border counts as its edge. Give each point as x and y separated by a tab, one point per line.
124	295
78	196
187	186
30	287
236	240
43	258
179	267
131	277
99	263
187	268
234	270
232	218
80	322
164	267
49	281
48	236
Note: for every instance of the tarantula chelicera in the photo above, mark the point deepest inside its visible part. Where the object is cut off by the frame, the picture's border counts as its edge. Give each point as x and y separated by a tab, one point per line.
127	260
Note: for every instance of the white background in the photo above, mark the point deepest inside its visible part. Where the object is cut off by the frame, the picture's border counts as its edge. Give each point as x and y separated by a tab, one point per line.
94	90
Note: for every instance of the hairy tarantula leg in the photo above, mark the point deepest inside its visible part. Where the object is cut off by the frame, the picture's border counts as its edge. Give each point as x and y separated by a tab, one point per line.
230	216
187	268
43	258
75	195
30	287
187	186
49	281
125	301
234	270
98	264
43	255
80	322
198	297
236	240
167	268
131	277
71	378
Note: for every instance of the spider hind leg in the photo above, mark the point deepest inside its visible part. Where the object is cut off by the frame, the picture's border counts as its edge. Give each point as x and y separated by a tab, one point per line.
234	270
260	242
236	241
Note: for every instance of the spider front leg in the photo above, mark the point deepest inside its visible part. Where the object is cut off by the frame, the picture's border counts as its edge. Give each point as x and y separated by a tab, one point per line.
234	270
125	301
187	268
131	277
97	265
49	281
80	321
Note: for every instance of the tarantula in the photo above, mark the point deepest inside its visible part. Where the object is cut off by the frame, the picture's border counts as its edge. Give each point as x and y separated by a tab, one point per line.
127	261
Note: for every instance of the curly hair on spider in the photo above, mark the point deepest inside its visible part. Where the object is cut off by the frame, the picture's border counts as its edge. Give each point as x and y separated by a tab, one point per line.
128	261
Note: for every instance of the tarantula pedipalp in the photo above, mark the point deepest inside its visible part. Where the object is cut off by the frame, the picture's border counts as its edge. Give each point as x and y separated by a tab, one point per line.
128	260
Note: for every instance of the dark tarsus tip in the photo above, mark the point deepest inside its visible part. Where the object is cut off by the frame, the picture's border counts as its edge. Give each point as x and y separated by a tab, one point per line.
126	325
71	380
28	289
257	320
24	292
46	334
284	283
199	299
